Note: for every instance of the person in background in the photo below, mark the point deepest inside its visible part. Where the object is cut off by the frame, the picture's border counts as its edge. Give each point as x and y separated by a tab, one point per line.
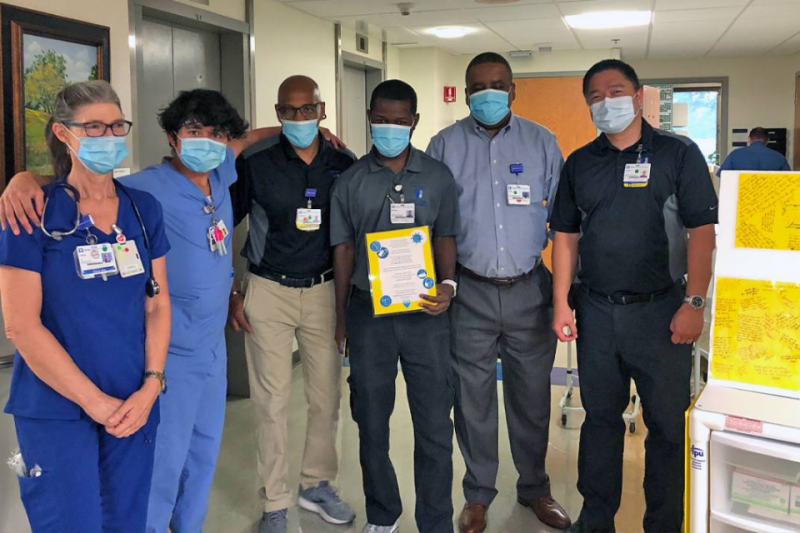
507	169
361	204
91	347
624	206
756	155
290	295
205	134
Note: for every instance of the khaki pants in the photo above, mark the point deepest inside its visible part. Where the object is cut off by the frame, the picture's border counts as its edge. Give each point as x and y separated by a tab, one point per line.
278	315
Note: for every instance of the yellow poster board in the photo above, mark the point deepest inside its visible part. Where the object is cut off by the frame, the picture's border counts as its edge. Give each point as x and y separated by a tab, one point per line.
756	337
400	269
768	211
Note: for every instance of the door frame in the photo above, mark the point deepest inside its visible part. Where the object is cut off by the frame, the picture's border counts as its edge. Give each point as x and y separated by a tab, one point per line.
236	58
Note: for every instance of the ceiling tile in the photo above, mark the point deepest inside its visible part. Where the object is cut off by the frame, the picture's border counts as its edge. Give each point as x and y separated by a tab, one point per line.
717	15
683	39
417	19
586	6
526	35
670	5
504	13
790	47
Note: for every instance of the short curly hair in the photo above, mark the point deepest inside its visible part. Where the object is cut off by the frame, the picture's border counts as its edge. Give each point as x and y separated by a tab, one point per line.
205	108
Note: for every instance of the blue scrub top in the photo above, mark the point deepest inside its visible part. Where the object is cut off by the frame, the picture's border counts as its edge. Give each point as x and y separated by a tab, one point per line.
101	324
199	280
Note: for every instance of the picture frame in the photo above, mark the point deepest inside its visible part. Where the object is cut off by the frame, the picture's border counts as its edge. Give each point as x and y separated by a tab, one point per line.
39	54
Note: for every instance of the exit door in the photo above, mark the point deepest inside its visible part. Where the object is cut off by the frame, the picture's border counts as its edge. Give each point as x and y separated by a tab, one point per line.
174	59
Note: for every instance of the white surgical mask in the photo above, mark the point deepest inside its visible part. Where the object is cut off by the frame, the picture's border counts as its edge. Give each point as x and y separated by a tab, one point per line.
613	115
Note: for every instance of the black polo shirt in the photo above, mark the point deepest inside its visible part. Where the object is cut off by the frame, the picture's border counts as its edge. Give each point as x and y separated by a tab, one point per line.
271	187
633	239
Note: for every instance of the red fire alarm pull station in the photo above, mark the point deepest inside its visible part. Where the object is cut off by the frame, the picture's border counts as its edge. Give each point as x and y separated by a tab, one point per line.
449	94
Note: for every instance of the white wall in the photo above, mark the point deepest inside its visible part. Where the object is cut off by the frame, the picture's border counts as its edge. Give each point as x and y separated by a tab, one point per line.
761	90
235	9
290	42
375	35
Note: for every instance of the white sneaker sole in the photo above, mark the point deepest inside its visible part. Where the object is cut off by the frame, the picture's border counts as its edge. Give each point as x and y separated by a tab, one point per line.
314	508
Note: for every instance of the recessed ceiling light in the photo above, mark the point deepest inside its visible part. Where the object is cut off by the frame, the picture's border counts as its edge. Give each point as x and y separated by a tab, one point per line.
450	32
603	20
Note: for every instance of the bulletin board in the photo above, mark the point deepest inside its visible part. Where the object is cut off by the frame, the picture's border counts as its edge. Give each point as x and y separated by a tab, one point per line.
755	334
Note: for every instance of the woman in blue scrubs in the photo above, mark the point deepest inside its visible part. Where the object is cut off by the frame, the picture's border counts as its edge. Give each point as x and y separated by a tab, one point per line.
205	135
91	348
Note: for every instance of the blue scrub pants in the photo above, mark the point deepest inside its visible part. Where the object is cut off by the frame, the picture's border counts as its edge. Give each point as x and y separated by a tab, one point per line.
91	482
189	436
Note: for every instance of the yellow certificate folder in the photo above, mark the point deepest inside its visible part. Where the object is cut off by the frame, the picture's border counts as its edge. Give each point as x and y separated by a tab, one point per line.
400	269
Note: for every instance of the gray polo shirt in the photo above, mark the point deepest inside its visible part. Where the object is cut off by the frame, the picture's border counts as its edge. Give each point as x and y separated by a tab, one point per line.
360	205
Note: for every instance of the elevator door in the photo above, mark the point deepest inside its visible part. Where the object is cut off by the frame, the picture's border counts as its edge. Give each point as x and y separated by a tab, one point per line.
355	110
174	59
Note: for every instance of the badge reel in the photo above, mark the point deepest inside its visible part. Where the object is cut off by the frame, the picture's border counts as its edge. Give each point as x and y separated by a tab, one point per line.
518	194
309	219
402	213
218	231
129	262
638	174
94	260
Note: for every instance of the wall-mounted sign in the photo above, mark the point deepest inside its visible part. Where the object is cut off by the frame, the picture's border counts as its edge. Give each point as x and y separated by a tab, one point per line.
449	94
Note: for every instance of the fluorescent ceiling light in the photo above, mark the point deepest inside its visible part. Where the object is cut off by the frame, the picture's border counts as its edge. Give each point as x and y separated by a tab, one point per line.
450	32
606	20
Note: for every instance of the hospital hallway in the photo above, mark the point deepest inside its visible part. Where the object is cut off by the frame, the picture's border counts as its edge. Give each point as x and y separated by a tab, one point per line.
235	505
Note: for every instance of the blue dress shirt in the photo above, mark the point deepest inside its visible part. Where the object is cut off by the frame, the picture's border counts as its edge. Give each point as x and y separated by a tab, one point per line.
754	157
499	240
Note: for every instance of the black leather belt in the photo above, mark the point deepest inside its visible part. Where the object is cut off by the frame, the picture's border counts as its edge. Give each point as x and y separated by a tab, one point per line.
627	299
286	281
498	282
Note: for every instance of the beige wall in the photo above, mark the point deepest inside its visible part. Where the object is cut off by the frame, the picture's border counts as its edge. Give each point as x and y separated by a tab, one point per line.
290	42
375	43
235	9
761	90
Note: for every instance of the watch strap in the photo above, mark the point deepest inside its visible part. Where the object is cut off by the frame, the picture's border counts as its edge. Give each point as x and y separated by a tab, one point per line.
453	284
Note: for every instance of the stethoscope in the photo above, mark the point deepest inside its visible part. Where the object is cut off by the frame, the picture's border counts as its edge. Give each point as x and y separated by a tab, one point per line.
152	288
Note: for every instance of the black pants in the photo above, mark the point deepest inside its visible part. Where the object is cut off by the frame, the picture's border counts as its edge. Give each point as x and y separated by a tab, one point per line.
422	344
617	343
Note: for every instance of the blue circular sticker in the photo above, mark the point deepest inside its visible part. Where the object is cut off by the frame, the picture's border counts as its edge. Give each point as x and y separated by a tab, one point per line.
375	246
428	283
386	301
417	238
383	253
422	273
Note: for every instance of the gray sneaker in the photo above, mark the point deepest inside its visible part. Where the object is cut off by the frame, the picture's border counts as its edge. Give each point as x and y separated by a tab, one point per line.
371	528
274	522
324	501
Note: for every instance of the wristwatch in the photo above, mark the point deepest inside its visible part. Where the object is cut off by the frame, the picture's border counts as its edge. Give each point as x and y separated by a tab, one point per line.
160	376
452	284
697	302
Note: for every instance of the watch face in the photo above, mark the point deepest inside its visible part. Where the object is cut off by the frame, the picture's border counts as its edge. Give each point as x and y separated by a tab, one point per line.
697	302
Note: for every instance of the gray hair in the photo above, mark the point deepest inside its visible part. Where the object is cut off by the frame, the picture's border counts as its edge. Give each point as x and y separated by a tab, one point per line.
68	101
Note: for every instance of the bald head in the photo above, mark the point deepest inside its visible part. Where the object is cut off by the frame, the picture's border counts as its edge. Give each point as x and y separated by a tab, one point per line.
298	88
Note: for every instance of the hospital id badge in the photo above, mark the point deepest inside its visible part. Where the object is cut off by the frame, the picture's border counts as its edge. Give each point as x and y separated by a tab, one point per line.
636	175
93	260
403	213
309	219
519	195
129	262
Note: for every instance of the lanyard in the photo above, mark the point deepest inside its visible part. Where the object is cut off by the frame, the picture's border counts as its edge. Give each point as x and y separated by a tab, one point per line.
209	208
639	159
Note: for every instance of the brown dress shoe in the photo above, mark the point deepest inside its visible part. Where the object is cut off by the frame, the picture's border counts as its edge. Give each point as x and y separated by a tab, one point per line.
473	518
548	511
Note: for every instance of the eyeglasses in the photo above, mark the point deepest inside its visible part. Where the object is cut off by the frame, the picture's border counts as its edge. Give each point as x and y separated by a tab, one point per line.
119	128
309	111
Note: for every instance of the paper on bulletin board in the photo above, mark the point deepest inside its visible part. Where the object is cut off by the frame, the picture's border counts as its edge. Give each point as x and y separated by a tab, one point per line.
768	211
756	337
400	269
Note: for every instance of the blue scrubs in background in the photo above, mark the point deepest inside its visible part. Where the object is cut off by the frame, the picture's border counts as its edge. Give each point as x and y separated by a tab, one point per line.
193	409
91	481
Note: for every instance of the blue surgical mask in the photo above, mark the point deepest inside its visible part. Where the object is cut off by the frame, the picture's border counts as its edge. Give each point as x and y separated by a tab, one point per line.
613	115
202	155
301	133
101	155
390	139
489	107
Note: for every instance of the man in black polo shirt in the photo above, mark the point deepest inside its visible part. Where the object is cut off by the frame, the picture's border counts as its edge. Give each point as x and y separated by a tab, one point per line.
286	190
624	205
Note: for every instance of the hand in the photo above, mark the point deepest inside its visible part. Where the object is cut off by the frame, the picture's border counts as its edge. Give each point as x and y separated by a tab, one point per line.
236	317
101	409
687	325
21	203
133	414
333	139
441	302
341	335
564	319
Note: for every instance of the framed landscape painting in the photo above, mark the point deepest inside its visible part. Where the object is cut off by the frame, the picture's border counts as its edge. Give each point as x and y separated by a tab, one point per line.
41	54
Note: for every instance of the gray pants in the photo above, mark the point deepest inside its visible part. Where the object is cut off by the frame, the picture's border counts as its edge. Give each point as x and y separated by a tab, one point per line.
512	323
